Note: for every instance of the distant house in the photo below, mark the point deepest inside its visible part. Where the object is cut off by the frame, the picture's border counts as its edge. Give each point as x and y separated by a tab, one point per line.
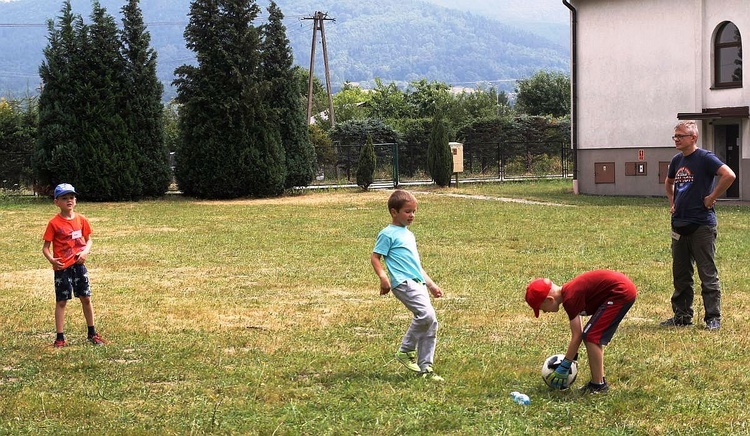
638	68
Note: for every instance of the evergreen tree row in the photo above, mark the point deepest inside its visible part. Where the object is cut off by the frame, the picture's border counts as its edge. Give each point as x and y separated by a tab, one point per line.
243	128
100	113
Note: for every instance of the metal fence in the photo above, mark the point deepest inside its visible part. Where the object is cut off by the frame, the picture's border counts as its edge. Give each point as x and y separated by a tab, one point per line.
398	163
395	164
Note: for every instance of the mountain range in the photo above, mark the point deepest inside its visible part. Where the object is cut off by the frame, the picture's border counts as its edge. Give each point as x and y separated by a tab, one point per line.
476	42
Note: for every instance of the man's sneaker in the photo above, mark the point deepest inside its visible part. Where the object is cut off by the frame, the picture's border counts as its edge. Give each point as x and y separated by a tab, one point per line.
409	360
713	324
429	374
595	388
96	339
677	321
59	343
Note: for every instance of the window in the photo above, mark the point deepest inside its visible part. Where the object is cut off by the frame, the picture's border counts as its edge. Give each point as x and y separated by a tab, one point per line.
728	57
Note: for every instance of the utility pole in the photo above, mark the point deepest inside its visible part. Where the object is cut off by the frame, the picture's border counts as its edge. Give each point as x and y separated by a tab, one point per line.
318	24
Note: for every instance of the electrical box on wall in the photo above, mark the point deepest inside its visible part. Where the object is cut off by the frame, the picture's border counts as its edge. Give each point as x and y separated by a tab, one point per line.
635	169
604	172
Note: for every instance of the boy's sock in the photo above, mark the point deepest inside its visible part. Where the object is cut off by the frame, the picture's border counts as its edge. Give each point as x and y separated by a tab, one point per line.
92	331
60	337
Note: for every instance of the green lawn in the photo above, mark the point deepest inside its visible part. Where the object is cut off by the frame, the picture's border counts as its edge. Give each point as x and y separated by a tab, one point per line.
263	317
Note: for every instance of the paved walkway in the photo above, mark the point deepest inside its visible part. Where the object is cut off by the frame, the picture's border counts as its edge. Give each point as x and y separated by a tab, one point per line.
487	197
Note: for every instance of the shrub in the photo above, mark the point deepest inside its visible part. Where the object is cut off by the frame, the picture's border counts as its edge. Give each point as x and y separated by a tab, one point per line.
366	165
439	156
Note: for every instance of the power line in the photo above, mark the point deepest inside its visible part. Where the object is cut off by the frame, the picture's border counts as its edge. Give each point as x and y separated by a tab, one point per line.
22	25
155	24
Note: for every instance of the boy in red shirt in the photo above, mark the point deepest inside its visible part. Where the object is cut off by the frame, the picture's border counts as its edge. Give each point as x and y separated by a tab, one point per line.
68	233
604	295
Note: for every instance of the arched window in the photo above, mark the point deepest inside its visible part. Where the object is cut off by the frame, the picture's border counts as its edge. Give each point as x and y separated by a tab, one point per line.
728	57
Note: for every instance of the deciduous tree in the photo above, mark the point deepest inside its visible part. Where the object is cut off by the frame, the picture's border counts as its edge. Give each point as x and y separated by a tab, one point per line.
544	94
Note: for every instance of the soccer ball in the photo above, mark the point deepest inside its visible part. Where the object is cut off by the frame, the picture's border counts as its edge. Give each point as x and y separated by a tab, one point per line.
550	365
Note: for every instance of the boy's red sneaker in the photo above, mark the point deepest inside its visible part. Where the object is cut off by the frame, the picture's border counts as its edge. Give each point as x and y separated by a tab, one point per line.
59	343
96	339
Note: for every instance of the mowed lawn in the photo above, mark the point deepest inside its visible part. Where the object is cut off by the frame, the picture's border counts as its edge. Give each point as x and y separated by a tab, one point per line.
263	317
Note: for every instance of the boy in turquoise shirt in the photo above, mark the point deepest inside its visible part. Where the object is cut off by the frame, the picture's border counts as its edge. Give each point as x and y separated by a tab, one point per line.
409	283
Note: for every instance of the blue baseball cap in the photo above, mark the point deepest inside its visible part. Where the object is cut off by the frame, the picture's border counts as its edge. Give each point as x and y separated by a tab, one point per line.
64	188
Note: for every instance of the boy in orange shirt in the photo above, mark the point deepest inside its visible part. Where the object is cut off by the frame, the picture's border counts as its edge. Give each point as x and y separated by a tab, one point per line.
68	233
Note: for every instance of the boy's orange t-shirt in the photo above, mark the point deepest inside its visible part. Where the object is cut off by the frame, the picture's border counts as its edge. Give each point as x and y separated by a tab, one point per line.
68	237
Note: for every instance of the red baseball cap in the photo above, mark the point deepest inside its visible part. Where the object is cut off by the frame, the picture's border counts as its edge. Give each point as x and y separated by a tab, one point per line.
536	292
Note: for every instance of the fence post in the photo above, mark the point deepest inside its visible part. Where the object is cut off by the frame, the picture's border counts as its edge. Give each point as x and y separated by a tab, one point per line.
395	165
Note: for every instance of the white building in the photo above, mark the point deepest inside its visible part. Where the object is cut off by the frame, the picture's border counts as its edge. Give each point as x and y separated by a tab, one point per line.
640	66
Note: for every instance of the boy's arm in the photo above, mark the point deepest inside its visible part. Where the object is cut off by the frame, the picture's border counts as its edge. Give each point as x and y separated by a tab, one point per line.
56	262
431	286
558	379
83	254
385	283
576	337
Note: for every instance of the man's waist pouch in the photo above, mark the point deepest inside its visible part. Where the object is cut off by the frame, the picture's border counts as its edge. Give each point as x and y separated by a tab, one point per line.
685	229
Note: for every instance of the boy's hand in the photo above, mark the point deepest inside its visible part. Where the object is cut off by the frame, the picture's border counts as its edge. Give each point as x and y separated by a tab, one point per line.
56	262
435	290
559	378
385	286
81	257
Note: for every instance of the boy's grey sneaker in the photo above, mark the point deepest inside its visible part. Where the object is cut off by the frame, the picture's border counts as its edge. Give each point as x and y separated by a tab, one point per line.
713	324
594	388
677	321
409	360
429	374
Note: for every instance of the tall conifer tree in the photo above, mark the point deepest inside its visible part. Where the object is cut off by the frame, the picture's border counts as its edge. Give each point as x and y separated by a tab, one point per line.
229	145
142	105
54	160
289	104
107	154
83	135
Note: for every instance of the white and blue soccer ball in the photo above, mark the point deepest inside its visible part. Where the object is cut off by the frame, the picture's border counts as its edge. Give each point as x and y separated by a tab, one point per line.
550	365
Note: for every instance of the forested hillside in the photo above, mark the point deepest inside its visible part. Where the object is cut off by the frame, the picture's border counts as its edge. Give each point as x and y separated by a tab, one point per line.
549	18
395	40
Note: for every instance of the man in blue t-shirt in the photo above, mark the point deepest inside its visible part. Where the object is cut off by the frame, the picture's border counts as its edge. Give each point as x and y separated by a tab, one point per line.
692	195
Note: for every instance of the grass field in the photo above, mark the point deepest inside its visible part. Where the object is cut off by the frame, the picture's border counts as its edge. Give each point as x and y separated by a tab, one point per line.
263	317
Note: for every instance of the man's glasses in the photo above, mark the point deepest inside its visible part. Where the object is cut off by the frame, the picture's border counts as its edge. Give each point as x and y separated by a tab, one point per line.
676	137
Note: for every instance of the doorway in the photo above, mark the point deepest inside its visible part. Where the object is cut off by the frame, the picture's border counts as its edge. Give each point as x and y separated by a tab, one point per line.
727	147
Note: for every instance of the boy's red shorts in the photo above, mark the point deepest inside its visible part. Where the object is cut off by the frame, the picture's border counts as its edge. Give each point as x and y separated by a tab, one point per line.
603	324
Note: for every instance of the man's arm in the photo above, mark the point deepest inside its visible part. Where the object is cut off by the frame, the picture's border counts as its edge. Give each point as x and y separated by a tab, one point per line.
726	178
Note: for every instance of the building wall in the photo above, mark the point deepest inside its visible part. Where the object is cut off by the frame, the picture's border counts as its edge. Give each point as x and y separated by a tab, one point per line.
622	180
640	63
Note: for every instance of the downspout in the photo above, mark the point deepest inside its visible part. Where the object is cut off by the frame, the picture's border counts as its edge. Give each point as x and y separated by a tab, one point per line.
574	90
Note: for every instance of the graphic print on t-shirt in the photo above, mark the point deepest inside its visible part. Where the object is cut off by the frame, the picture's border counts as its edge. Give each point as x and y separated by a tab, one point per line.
683	179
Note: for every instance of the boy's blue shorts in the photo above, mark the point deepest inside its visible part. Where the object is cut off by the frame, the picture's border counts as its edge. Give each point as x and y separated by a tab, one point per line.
71	281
